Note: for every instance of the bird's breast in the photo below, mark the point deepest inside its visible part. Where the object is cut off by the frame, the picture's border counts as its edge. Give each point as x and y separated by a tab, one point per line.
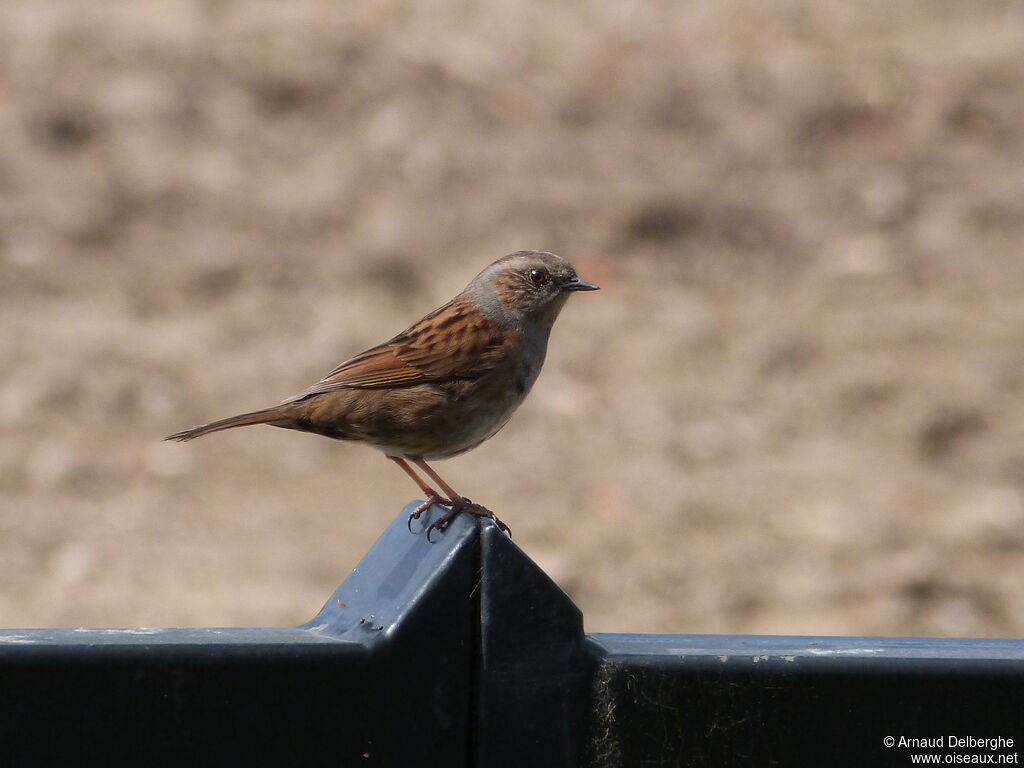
479	408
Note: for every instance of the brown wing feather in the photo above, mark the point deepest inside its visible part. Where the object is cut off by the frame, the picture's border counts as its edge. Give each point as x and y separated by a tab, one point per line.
456	341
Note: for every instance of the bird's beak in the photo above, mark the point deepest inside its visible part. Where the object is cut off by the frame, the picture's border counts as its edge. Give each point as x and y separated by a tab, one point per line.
580	285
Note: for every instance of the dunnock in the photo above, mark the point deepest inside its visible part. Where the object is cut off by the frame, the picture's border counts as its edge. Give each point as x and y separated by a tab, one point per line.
443	385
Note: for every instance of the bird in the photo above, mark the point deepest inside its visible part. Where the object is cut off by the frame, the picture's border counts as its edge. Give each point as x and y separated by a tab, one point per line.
442	386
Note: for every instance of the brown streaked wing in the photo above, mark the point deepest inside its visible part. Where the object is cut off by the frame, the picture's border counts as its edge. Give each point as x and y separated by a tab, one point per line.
456	341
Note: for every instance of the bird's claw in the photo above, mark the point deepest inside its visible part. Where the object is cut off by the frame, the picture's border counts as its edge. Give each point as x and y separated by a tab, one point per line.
481	511
439	525
456	509
423	507
501	526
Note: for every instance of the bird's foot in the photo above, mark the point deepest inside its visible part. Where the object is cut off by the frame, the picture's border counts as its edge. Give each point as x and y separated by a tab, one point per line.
460	506
432	499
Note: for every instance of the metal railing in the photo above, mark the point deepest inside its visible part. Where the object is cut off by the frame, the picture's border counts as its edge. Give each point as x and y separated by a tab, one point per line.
463	653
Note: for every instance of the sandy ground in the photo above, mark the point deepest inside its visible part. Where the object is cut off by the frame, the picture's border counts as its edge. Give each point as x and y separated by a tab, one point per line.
796	406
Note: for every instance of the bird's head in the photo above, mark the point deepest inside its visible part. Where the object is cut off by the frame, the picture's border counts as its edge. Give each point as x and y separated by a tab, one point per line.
531	285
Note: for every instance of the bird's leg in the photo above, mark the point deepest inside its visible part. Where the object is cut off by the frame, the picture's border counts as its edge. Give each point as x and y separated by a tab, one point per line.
433	497
459	503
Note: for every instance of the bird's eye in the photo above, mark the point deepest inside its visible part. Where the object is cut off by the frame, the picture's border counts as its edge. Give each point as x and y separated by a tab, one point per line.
538	276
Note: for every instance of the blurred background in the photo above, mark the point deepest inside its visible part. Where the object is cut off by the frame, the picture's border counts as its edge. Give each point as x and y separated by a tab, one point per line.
796	406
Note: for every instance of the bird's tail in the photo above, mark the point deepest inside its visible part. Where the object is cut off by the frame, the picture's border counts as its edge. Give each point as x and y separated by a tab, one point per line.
278	416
